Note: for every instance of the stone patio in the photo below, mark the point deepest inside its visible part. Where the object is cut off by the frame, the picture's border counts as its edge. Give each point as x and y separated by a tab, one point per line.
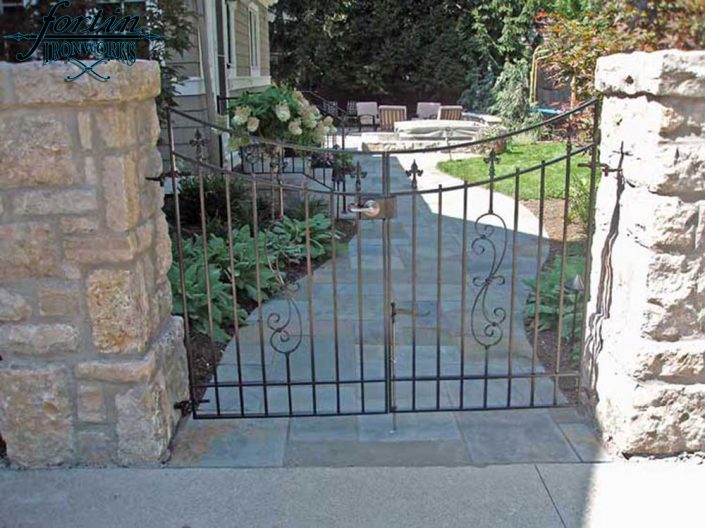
437	438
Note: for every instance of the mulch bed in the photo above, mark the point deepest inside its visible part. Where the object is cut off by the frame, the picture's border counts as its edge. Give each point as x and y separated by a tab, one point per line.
547	342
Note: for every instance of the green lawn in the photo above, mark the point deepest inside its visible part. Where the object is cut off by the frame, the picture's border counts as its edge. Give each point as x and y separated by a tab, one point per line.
523	157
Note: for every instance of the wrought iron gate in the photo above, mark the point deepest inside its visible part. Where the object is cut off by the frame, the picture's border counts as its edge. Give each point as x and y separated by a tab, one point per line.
423	309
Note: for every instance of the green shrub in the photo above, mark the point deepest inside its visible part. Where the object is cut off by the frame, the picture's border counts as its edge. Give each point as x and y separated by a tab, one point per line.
549	309
284	244
287	238
215	203
197	298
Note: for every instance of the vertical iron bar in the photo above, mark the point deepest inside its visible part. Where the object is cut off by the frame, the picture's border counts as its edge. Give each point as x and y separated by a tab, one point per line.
258	284
537	290
385	290
309	276
515	240
209	300
439	279
463	294
336	343
561	282
234	292
180	252
413	297
360	313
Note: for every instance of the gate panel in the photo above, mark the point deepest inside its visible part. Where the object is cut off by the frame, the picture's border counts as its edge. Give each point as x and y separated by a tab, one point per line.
391	293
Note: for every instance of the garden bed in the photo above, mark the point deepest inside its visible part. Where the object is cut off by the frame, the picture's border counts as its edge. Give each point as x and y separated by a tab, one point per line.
282	259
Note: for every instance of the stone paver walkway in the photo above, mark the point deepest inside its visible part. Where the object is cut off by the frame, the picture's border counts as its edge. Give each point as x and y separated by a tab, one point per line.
444	438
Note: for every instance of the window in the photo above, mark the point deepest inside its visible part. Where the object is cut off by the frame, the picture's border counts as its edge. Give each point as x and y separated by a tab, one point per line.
230	38
254	41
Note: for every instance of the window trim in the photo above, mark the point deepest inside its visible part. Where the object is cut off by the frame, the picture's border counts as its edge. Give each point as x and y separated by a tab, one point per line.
254	40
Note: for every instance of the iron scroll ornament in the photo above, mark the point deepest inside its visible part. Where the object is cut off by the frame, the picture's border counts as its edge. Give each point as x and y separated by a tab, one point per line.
286	327
490	319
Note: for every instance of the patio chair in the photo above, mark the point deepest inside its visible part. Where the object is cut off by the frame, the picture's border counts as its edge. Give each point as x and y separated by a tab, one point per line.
390	114
367	114
452	113
427	110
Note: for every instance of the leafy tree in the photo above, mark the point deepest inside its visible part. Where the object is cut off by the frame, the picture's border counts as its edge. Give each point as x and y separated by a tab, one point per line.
573	42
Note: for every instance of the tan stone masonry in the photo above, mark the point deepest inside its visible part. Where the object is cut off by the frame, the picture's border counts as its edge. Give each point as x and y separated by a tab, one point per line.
92	360
646	316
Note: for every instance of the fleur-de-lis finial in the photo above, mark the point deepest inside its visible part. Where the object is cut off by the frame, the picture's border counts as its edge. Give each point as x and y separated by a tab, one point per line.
199	142
414	172
492	159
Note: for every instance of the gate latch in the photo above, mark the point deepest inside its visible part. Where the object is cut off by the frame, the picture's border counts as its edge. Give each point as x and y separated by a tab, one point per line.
376	208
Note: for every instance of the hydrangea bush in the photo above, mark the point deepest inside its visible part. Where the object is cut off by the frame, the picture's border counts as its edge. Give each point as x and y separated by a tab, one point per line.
278	113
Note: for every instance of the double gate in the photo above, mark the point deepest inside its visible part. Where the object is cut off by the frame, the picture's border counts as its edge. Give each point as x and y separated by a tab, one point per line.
339	282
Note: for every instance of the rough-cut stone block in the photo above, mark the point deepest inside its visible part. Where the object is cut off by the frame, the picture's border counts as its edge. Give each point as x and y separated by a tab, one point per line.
649	417
145	236
673	362
30	158
673	310
175	365
38	339
116	126
35	83
161	305
163	249
91	403
64	302
143	426
107	249
85	132
148	128
118	308
137	371
120	192
94	448
81	225
660	222
13	307
663	73
44	202
28	250
36	416
92	176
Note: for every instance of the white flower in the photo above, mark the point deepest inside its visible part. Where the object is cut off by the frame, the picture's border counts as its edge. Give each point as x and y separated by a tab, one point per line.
242	113
319	132
283	112
299	97
331	130
308	118
295	127
328	121
252	124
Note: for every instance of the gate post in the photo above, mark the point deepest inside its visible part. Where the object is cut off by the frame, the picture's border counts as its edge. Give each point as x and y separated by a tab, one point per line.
92	360
645	324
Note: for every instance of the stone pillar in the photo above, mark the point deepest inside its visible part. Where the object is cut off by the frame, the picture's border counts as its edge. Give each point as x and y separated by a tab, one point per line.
92	360
645	340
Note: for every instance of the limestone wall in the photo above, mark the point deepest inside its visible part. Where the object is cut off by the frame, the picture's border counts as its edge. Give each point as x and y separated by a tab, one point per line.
646	318
92	360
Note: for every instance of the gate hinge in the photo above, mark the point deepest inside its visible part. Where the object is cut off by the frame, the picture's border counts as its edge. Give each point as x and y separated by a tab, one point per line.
185	406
